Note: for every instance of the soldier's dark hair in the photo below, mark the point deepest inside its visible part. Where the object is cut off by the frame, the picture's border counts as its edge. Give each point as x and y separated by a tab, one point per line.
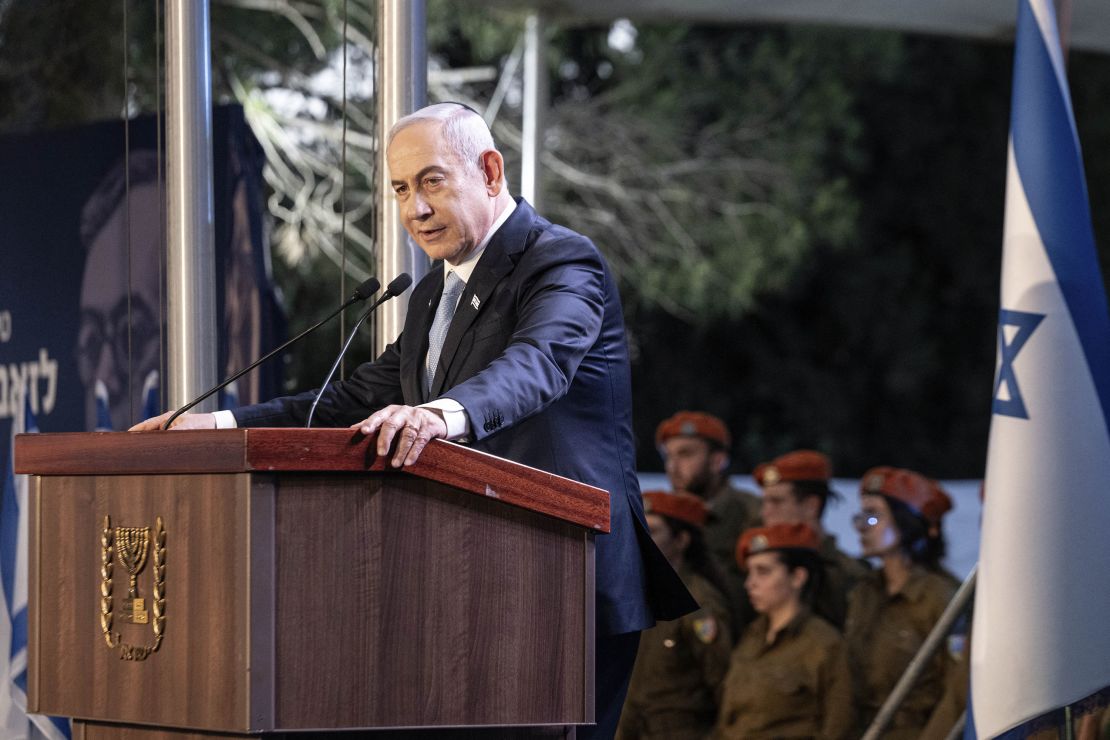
924	543
697	554
819	488
799	557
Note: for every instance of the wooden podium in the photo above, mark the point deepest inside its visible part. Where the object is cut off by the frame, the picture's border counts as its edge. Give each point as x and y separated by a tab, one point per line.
288	580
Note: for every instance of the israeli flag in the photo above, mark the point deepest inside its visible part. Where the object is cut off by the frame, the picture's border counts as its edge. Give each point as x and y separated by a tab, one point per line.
15	723
1041	639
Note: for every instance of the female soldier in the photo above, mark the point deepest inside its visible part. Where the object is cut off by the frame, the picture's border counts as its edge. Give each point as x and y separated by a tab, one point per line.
680	665
789	675
892	610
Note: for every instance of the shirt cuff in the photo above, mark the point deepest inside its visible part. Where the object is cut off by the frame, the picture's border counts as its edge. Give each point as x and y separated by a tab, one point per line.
225	420
454	416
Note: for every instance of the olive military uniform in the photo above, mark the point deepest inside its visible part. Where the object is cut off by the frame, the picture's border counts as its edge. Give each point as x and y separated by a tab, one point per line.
796	687
679	669
840	573
883	633
731	512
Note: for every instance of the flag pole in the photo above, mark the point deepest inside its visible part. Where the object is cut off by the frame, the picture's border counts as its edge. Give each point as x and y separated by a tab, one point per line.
1063	25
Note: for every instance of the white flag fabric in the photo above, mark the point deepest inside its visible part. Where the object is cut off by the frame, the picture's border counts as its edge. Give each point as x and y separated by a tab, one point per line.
1041	636
15	723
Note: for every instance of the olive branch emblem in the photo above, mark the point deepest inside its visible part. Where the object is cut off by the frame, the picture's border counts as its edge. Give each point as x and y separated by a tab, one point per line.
133	545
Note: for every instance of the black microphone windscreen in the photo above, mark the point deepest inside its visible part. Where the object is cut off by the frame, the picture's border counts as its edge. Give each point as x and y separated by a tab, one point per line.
368	288
399	284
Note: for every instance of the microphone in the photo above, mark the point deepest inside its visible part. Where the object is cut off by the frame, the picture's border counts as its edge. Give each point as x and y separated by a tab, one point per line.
395	288
368	288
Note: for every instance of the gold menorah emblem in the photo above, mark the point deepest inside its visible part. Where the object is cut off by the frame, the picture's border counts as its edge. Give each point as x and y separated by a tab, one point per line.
132	544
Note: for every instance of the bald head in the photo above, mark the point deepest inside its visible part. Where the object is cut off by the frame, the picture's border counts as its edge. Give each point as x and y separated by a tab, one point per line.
462	130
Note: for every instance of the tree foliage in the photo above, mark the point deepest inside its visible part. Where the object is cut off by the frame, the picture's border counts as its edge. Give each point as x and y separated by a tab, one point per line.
878	346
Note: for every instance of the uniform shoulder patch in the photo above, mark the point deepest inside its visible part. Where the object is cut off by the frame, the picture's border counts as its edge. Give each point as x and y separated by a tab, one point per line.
705	629
957	647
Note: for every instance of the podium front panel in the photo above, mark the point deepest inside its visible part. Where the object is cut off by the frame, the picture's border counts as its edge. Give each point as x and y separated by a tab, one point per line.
405	603
297	601
88	652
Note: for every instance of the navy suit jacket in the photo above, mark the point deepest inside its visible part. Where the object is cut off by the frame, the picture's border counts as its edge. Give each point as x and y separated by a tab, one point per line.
536	355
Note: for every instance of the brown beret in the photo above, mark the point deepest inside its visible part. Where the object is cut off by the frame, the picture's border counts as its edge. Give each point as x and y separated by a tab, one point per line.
923	495
693	424
776	537
794	466
679	505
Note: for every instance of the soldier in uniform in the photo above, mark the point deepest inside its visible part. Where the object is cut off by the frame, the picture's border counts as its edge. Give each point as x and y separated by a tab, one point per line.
789	674
796	491
680	664
892	610
695	450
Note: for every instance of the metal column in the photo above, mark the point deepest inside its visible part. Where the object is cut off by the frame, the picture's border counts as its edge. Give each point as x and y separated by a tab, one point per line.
535	107
191	268
402	88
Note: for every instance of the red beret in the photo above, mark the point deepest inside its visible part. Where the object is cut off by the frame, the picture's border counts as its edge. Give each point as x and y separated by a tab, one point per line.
923	495
678	505
794	466
693	424
776	537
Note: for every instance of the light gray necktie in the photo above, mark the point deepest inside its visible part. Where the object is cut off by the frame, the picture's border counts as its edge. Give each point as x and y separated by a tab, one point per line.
452	289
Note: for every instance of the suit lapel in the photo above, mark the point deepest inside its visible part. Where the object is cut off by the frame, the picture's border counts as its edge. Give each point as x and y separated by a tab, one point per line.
494	264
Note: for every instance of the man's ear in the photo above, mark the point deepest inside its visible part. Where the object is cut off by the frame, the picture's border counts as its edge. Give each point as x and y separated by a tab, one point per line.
811	505
798	578
719	460
493	171
683	540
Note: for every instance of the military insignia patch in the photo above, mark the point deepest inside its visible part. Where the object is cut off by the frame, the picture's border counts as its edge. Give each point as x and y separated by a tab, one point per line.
771	476
705	629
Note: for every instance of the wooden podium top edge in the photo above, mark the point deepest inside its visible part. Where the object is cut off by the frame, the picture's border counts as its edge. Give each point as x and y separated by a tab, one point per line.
307	450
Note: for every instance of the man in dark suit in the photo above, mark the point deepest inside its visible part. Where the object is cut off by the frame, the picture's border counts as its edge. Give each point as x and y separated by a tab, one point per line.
514	342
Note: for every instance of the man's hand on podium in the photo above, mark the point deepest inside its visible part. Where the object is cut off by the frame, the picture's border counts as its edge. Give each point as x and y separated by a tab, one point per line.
413	427
185	421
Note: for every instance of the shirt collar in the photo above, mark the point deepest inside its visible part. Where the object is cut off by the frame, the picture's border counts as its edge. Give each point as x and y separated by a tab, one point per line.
793	627
466	268
914	588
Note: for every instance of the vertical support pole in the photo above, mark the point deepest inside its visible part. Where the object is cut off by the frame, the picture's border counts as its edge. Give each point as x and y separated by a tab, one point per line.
535	108
1063	25
191	261
402	88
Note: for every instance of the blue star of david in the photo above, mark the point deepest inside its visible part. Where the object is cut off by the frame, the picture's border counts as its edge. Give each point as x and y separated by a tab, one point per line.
1025	323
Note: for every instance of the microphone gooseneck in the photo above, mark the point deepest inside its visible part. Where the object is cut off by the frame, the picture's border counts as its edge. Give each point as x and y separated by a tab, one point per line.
366	289
395	288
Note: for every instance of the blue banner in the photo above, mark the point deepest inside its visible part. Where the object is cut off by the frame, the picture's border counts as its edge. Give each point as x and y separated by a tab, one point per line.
82	311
